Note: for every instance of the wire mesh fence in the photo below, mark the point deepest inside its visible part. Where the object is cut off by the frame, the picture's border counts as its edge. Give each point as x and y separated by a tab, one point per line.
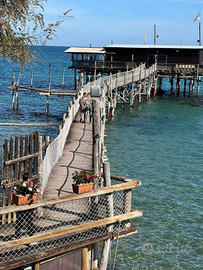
58	225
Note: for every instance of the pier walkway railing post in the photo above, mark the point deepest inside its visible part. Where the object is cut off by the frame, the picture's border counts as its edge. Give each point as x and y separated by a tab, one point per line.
107	243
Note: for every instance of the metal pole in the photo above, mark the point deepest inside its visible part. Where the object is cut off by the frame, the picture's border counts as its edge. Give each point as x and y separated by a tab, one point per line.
155	34
200	42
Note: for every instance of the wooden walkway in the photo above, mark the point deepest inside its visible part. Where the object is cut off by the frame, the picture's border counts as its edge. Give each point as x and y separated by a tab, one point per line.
77	155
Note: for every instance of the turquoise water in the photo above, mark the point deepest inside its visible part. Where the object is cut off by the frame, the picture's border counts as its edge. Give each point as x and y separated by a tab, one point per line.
160	143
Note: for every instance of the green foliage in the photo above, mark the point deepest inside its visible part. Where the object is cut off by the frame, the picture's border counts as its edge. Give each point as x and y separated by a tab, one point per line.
83	177
16	33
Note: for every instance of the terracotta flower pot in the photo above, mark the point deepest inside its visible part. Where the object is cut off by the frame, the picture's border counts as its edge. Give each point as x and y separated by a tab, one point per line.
27	199
82	188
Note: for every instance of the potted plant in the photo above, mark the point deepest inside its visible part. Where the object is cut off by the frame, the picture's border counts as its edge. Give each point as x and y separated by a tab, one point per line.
25	193
83	181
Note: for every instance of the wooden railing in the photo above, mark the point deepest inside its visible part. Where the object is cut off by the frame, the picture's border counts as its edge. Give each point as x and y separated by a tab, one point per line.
20	155
67	220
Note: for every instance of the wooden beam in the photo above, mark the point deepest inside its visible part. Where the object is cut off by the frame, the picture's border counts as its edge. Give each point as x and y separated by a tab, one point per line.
70	197
48	254
29	124
120	178
70	230
57	94
20	159
45	90
125	235
14	183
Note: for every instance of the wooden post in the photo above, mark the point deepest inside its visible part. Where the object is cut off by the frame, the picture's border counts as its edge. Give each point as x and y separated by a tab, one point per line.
107	243
10	171
82	79
40	163
46	138
14	88
193	84
26	148
176	80
77	86
64	118
63	78
139	93
30	152
36	266
85	258
159	83
59	129
31	82
127	197
190	87
132	91
96	135
47	107
103	119
185	85
197	79
149	88
154	84
145	79
18	81
110	112
4	178
96	159
171	81
95	70
75	78
36	149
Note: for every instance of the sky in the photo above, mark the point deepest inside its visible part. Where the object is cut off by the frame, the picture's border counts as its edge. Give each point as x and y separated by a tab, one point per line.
99	22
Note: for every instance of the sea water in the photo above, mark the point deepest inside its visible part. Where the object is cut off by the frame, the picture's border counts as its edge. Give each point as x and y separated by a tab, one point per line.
158	142
32	106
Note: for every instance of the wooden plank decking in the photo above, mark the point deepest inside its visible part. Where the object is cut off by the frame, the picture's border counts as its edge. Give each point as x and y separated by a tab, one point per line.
77	155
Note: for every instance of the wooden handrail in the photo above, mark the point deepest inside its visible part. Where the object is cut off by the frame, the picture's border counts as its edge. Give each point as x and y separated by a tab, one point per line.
66	198
20	159
72	229
14	183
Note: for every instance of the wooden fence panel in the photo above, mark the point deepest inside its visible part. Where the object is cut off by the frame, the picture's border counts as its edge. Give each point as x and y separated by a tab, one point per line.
10	172
30	152
21	156
5	146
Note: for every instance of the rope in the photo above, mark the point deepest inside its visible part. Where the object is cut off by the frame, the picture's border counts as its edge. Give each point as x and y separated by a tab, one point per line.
116	245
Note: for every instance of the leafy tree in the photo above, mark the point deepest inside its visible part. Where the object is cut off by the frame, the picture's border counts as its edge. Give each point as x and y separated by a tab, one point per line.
21	26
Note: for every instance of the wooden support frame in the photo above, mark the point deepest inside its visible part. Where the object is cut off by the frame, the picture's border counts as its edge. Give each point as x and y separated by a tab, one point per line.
20	159
61	250
70	230
66	198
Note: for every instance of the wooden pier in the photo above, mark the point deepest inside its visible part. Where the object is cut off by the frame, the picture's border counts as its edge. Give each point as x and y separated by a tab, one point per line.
64	221
77	155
